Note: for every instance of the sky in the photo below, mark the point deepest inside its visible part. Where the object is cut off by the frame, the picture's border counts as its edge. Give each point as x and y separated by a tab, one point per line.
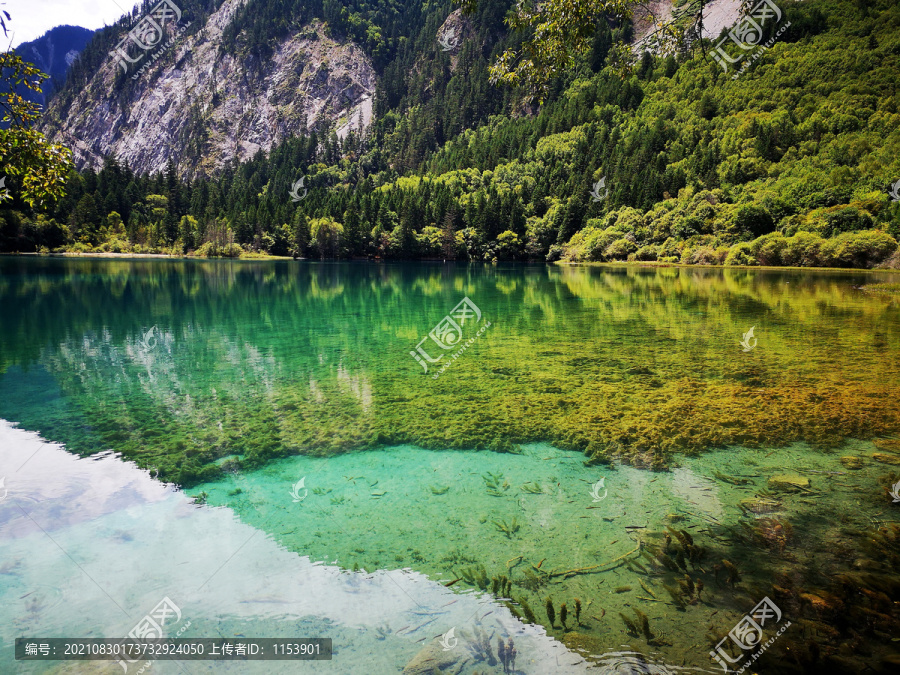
32	18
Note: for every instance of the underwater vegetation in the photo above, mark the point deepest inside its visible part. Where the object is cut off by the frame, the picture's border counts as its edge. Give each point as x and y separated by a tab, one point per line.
480	647
846	615
532	581
767	532
639	626
476	576
887	288
501	586
527	612
507	654
557	375
509	529
625	420
834	579
687	572
493	485
633	366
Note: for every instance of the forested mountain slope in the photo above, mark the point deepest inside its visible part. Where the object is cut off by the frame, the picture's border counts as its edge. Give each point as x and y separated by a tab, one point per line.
791	161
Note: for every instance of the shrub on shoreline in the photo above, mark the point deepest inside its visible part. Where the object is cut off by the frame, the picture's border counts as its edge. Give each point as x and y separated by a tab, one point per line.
864	249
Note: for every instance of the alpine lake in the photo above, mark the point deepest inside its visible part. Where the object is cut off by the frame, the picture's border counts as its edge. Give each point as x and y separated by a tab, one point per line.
452	468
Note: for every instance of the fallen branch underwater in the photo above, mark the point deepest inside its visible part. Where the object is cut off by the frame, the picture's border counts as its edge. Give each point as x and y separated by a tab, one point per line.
584	570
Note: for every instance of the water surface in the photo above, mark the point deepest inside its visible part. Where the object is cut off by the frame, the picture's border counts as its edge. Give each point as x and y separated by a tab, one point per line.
598	411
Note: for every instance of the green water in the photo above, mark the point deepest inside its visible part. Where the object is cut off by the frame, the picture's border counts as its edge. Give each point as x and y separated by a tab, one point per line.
434	512
238	379
262	360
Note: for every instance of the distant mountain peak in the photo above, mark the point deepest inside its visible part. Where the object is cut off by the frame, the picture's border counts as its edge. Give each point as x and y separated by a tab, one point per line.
53	53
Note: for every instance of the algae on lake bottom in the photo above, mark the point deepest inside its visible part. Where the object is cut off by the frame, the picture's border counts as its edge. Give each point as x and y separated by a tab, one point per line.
618	363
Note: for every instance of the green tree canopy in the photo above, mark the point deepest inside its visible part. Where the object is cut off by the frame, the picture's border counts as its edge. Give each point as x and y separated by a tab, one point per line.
36	168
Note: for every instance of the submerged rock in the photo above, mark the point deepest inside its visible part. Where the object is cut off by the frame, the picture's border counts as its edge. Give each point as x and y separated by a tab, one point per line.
886	459
852	462
788	483
431	659
760	505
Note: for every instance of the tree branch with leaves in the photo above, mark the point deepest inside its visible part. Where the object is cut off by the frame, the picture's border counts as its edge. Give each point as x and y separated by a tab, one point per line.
677	34
37	167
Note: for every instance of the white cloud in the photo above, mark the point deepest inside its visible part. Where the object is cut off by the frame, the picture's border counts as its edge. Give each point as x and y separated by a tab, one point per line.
30	20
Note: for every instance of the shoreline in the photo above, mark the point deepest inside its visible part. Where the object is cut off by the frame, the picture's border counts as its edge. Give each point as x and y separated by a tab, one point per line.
558	263
87	254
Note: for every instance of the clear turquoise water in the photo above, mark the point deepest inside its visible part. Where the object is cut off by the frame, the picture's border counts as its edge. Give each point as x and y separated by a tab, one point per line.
239	379
92	545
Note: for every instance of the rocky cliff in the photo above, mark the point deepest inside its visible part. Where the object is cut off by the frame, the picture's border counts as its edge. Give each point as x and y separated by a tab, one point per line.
201	106
456	29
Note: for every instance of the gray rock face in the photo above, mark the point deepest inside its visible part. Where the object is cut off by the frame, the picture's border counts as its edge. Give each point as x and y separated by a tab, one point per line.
456	29
201	108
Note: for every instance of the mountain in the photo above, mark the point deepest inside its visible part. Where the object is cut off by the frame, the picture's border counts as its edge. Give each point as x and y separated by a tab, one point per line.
227	79
781	151
232	77
54	52
201	106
